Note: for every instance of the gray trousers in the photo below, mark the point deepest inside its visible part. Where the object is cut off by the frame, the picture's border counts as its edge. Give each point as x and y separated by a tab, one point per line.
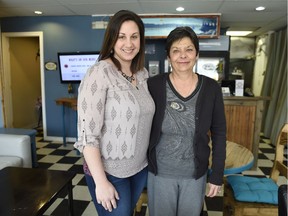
175	197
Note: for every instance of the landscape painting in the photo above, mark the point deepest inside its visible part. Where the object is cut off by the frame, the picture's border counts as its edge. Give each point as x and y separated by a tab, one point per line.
205	26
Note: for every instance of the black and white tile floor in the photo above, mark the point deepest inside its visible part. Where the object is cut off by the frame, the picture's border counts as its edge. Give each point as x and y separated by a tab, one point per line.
54	156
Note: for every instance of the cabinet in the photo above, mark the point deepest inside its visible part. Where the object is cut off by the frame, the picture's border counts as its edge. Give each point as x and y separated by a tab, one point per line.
244	119
245	67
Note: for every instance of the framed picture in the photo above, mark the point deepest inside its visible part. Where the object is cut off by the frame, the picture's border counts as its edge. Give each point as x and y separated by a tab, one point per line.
153	68
205	26
211	67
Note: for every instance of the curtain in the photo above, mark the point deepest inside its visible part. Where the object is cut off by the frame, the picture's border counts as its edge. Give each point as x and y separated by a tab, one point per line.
275	85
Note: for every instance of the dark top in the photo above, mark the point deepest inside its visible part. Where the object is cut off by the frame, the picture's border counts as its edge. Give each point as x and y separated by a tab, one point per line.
175	148
210	116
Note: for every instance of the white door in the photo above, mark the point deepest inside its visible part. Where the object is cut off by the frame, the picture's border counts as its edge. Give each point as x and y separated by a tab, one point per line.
11	106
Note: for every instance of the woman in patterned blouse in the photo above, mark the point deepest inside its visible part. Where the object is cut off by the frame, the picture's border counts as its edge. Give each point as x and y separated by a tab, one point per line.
115	112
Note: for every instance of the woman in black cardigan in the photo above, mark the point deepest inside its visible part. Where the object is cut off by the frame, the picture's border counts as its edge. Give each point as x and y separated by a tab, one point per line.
189	109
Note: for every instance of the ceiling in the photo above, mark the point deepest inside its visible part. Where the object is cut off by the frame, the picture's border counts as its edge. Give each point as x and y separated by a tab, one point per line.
235	14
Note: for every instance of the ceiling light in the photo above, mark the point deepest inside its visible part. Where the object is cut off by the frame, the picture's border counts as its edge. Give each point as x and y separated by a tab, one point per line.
260	8
180	9
38	12
238	33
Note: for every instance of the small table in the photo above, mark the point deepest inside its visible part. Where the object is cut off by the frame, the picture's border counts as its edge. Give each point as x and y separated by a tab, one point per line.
29	132
238	158
70	103
30	191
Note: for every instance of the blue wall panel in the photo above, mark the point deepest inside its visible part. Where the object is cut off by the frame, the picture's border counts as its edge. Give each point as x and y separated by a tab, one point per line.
60	34
66	34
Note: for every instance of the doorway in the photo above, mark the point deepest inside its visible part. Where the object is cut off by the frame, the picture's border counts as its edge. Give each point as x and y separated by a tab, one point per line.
20	106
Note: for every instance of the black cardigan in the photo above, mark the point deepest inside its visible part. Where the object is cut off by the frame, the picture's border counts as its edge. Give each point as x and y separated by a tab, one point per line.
210	116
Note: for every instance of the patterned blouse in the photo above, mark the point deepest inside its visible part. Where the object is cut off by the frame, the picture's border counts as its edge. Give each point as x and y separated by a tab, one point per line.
115	116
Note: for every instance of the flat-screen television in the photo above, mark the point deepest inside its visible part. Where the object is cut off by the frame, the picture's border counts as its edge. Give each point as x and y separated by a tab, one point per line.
74	65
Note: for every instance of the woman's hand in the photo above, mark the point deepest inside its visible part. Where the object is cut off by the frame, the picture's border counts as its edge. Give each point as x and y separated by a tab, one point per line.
213	190
106	195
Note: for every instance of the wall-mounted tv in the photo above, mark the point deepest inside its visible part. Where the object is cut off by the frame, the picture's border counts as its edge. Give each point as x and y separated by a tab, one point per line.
74	65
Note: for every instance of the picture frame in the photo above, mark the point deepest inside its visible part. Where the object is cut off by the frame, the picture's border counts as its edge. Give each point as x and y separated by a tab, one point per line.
211	67
159	26
153	68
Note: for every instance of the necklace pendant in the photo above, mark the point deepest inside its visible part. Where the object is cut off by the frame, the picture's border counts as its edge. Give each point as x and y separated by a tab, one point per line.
129	78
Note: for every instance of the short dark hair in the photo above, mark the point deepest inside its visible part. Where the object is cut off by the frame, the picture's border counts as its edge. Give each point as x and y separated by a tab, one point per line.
111	37
179	33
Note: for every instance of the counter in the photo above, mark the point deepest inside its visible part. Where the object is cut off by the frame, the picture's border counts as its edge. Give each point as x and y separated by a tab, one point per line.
244	119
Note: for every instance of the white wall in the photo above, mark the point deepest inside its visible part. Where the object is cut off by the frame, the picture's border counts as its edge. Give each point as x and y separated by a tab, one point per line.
1	73
242	48
260	64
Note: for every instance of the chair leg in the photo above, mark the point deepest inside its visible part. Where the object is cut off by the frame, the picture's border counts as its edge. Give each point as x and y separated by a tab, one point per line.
142	199
238	212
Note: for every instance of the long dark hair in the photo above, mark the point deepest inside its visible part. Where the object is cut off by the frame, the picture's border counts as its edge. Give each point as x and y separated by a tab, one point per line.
179	33
111	37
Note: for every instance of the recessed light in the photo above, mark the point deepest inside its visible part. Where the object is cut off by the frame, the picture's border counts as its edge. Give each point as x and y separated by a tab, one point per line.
238	33
38	12
180	9
260	8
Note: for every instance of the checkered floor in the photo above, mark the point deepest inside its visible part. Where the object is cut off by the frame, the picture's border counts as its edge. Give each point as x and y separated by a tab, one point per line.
54	156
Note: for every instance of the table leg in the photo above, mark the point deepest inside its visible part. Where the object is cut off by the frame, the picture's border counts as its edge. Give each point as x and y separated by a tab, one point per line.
33	149
77	151
64	128
70	199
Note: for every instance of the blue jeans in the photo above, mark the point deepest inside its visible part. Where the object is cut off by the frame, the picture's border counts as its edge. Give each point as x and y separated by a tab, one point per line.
129	190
